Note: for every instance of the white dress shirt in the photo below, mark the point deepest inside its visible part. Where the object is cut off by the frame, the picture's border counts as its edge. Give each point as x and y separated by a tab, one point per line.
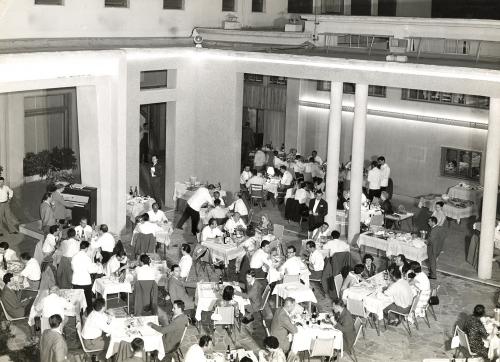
6	193
318	234
185	264
106	242
316	203
112	266
256	180
287	178
145	272
318	160
82	267
200	197
158	216
217	213
239	207
49	244
53	304
292	266
195	353
9	255
95	325
245	176
336	246
298	166
260	259
222	203
259	159
385	173
301	195
374	179
440	216
32	270
232	225
316	261
147	227
209	233
400	292
83	233
70	247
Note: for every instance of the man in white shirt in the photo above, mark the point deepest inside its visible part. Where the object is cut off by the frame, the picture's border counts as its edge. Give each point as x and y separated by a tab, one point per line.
321	233
186	260
6	253
114	263
50	242
374	178
385	173
259	160
298	166
261	259
196	201
293	264
97	323
316	263
31	271
83	231
82	267
239	206
145	226
197	352
234	222
70	246
6	217
144	270
256	179
400	293
211	231
246	174
217	212
317	159
335	245
302	195
49	305
286	178
156	215
106	242
439	213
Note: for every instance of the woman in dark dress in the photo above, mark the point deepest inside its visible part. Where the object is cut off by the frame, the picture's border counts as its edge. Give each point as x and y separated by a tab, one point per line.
476	332
370	268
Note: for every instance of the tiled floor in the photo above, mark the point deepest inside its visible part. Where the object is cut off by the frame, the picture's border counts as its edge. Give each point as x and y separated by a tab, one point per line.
457	298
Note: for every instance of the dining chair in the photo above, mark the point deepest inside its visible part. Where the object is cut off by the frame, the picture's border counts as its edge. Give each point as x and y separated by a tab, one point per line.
224	316
180	355
257	194
358	328
287	278
434	292
357	308
9	318
88	352
322	347
410	314
338	279
463	343
265	298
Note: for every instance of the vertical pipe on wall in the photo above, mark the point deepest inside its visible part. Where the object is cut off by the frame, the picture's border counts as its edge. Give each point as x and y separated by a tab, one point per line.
488	216
358	155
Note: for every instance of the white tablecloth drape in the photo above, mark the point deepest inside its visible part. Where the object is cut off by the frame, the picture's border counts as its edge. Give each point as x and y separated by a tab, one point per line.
75	301
224	252
110	285
460	192
181	192
138	206
206	297
297	291
126	329
413	250
306	334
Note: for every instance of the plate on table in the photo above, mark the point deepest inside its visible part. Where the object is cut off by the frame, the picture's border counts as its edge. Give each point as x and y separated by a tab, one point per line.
291	287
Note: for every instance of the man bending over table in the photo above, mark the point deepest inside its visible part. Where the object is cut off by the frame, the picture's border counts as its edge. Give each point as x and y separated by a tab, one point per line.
194	204
402	297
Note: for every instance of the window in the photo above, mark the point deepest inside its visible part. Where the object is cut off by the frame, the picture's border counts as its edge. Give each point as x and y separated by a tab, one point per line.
350	88
173	4
460	163
257	6
116	3
154	79
300	6
254	78
228	5
455	99
49	2
277	80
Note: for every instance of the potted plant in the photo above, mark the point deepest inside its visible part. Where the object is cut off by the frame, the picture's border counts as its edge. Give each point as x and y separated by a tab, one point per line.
56	165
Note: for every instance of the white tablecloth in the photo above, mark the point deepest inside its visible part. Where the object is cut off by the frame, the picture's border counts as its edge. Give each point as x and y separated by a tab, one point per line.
273	275
15	267
160	269
371	294
181	192
75	301
457	213
306	334
106	285
162	235
206	297
463	193
138	206
297	291
138	329
395	246
224	252
271	186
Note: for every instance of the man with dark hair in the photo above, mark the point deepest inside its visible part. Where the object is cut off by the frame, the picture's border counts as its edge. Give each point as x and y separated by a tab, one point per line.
318	208
373	179
272	351
137	346
156	215
105	242
31	271
13	304
435	243
82	266
6	253
261	259
282	325
156	173
293	264
172	333
196	201
254	294
6	217
439	213
385	173
197	352
315	262
47	212
286	178
177	287
97	323
53	346
400	293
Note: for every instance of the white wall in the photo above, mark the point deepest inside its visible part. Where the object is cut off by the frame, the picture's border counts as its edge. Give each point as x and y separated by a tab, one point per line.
20	19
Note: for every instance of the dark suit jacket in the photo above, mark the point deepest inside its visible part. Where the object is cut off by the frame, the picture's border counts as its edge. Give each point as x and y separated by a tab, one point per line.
59	205
281	325
177	290
254	293
436	239
322	208
158	171
47	214
345	324
53	347
173	332
11	303
386	207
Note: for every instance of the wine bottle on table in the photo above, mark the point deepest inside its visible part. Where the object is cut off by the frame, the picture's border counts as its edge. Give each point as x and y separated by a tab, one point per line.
130	192
136	193
228	353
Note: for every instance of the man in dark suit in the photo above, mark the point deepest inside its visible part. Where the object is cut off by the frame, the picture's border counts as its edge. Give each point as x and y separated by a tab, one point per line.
318	208
13	305
177	288
172	333
435	243
282	325
53	347
254	294
386	207
156	174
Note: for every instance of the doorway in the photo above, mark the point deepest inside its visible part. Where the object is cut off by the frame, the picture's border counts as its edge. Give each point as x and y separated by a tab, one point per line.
152	128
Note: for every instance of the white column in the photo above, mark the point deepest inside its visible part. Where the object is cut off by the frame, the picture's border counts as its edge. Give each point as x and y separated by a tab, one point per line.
334	128
358	157
492	165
